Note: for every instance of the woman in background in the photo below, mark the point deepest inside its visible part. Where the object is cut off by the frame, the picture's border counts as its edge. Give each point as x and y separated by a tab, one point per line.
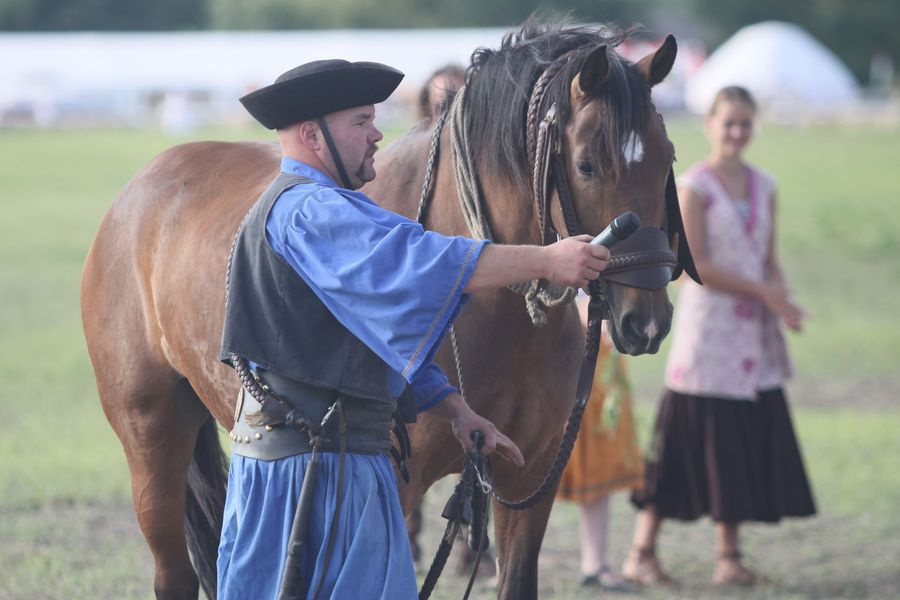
723	442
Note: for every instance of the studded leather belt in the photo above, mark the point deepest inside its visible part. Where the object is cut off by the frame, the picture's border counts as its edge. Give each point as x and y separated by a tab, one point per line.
368	422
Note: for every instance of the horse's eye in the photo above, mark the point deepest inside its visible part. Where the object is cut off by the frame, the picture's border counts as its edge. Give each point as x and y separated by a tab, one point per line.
585	168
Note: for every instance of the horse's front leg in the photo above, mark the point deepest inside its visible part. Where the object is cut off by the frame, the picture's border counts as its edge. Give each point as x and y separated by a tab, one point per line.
519	534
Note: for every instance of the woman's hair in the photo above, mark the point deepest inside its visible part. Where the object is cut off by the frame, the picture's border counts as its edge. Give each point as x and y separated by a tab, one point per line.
732	93
454	73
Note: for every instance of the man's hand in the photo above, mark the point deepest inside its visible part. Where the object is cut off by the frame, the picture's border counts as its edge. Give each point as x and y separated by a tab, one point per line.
575	262
572	262
463	421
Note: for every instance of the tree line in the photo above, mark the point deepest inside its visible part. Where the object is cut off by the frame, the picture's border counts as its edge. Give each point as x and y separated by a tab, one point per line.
853	29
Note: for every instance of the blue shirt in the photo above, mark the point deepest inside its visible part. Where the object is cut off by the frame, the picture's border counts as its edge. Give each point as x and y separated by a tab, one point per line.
392	284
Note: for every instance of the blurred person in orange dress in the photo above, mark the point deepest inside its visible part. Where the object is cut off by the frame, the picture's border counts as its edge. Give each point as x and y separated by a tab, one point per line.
606	458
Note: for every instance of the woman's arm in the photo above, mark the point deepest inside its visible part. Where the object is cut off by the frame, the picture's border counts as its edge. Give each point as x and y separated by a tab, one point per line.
771	292
780	301
693	214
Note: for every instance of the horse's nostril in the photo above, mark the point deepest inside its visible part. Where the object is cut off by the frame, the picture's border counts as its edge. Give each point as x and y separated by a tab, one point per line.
631	327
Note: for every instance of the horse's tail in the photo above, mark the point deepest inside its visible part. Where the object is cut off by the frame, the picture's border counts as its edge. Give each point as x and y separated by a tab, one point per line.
207	480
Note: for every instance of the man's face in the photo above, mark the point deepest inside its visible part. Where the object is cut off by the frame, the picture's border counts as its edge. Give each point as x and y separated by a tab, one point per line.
355	137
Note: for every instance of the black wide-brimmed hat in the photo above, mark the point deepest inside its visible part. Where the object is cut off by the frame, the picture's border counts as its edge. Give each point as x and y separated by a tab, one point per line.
320	87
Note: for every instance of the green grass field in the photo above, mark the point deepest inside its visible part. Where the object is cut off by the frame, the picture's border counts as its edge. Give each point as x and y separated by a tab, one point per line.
66	527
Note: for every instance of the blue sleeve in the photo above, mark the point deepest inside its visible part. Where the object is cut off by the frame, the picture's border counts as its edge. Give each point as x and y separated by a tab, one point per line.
394	285
431	386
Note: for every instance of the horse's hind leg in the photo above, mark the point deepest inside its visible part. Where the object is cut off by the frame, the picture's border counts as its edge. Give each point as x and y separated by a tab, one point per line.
157	418
519	535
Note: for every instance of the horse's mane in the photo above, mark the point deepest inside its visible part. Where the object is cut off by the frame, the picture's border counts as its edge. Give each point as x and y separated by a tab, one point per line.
499	84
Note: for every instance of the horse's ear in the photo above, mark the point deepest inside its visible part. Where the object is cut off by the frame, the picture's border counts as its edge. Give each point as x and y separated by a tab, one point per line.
593	73
654	67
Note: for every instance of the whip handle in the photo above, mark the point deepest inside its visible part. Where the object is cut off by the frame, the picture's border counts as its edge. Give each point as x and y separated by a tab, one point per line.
291	578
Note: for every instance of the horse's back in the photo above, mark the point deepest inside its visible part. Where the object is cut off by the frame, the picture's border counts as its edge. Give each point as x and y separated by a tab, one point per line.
151	279
196	178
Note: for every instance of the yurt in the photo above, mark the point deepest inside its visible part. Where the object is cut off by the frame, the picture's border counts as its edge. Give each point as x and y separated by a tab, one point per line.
791	74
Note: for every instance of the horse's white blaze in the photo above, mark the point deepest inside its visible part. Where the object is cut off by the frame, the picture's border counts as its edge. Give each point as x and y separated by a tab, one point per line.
650	331
633	148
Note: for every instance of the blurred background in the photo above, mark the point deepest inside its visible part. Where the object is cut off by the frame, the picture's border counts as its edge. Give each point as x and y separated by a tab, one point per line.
91	90
182	62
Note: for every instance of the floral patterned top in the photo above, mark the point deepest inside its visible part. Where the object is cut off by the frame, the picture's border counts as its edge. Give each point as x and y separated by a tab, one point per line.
725	345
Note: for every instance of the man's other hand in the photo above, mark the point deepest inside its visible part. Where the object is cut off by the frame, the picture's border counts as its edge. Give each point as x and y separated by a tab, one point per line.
463	421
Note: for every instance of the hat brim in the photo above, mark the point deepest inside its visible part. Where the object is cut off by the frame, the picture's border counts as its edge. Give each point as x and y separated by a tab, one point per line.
314	94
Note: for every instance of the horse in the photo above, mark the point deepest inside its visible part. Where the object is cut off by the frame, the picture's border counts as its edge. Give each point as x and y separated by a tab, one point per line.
153	286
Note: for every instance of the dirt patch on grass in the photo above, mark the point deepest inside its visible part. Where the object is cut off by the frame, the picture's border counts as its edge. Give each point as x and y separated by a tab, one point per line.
96	550
74	550
863	393
867	393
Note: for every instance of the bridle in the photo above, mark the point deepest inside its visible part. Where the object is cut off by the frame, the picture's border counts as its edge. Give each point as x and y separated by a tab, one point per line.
649	260
642	263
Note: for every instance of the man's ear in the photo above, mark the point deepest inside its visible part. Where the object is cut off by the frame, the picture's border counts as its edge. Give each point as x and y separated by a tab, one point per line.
308	135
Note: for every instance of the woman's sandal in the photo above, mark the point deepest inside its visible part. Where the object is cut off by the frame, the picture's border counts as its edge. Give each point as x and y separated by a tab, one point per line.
643	568
730	571
606	580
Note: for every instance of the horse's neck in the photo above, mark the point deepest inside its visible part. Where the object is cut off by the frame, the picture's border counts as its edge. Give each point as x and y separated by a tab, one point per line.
510	210
401	167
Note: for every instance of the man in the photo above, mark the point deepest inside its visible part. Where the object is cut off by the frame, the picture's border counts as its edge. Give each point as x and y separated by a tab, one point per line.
339	306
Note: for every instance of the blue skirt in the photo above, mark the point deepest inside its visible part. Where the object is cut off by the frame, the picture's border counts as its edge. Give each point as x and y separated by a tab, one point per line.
371	557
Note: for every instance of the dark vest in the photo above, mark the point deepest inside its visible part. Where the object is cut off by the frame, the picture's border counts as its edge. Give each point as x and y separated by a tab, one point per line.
275	320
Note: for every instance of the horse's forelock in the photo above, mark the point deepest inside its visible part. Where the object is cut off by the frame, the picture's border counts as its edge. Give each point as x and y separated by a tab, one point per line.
626	106
499	84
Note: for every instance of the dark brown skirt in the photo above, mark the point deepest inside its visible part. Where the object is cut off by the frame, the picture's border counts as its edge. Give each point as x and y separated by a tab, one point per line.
731	459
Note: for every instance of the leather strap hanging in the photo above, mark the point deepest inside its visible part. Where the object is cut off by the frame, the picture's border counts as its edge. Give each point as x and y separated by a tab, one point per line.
675	230
335	155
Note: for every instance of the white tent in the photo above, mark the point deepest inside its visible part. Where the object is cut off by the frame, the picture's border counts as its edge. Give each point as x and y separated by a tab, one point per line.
125	75
789	72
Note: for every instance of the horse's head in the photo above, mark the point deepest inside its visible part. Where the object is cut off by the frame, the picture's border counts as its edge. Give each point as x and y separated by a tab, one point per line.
616	157
592	147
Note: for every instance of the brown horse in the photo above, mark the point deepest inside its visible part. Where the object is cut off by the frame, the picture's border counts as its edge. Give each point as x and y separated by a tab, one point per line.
153	289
